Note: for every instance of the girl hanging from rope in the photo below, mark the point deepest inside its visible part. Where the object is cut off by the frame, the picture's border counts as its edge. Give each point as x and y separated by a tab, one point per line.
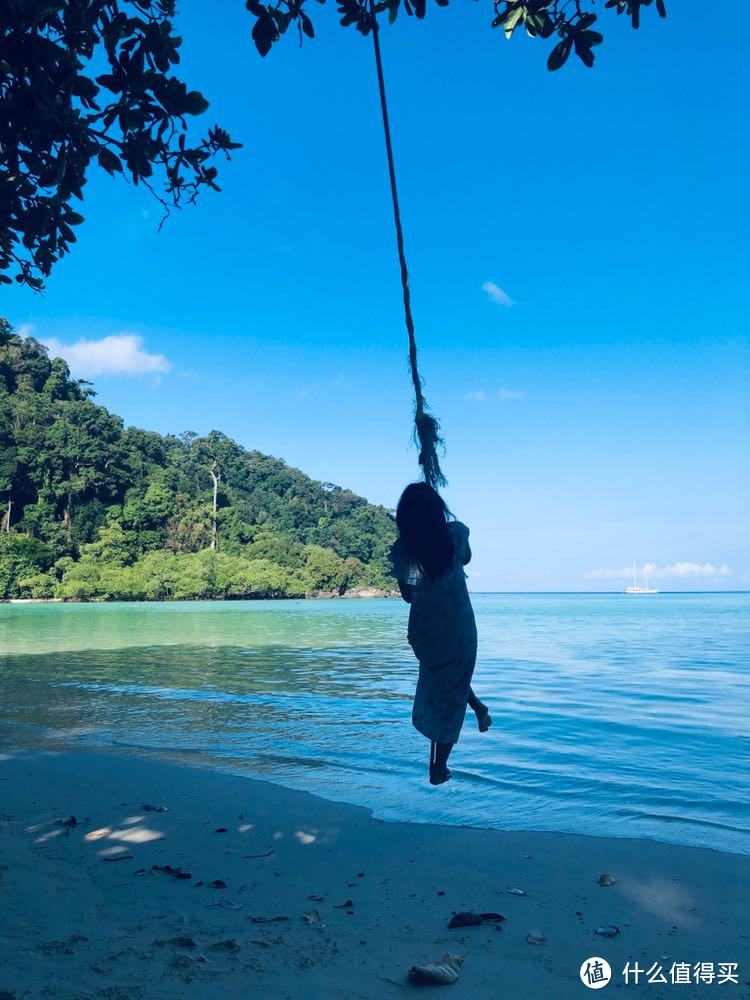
428	559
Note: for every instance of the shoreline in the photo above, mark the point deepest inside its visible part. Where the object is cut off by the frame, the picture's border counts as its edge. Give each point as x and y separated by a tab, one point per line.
360	593
88	927
355	593
35	742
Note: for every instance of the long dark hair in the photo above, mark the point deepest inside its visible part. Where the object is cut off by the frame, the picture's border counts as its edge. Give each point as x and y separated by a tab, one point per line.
422	519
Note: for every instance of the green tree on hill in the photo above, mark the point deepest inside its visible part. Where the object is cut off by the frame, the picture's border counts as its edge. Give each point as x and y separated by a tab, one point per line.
90	510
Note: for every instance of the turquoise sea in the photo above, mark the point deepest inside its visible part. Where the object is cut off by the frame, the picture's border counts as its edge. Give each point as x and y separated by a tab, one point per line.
613	716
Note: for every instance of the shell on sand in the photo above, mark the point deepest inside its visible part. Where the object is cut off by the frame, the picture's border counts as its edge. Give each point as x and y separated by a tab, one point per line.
608	930
443	972
606	879
465	920
536	937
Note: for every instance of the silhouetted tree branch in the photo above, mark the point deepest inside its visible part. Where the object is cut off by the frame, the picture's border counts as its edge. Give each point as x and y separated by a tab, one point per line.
57	117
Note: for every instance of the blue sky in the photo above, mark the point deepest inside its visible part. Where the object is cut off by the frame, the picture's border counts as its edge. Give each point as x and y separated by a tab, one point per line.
601	417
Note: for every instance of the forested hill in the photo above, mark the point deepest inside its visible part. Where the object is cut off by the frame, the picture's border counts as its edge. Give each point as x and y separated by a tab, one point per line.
92	510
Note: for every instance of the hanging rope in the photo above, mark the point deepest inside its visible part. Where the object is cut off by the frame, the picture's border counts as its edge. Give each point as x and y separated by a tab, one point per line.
426	427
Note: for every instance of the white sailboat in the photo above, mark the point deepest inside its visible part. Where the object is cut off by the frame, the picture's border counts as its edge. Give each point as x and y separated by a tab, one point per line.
636	589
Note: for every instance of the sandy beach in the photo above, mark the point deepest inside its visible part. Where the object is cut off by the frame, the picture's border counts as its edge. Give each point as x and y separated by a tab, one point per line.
293	896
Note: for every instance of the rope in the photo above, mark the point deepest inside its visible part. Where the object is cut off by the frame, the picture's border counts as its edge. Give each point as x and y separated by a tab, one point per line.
426	427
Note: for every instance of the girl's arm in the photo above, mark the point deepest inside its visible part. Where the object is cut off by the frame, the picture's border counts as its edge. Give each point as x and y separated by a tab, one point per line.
464	550
400	570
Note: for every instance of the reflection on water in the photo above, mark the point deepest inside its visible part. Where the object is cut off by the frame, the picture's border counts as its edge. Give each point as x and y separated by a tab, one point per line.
614	717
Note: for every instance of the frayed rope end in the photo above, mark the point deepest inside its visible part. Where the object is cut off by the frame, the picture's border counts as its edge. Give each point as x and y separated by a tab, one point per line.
427	436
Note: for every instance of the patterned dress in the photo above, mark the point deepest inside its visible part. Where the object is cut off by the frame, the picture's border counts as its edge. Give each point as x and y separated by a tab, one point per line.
443	635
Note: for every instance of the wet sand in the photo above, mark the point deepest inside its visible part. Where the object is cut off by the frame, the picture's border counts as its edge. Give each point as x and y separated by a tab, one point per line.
88	909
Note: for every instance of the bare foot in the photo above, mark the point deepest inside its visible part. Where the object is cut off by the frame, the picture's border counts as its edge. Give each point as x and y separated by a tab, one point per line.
484	719
439	775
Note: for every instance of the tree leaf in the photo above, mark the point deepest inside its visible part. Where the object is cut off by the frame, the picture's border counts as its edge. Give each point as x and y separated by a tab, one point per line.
515	16
533	24
559	54
264	33
547	26
584	53
592	38
109	160
282	19
195	103
82	86
110	81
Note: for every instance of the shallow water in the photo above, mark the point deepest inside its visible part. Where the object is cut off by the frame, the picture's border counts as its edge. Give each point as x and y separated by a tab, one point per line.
612	716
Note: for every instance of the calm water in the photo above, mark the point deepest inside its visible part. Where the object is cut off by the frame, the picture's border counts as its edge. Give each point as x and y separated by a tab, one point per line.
613	715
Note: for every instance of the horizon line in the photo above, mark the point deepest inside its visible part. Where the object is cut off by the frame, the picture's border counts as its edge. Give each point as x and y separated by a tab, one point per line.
594	592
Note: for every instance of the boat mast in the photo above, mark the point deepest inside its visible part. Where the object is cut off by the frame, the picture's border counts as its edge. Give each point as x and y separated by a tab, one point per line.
634	583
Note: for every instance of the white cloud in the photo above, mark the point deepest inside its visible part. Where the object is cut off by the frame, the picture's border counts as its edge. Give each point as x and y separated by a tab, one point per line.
24	329
500	395
674	571
497	295
119	354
